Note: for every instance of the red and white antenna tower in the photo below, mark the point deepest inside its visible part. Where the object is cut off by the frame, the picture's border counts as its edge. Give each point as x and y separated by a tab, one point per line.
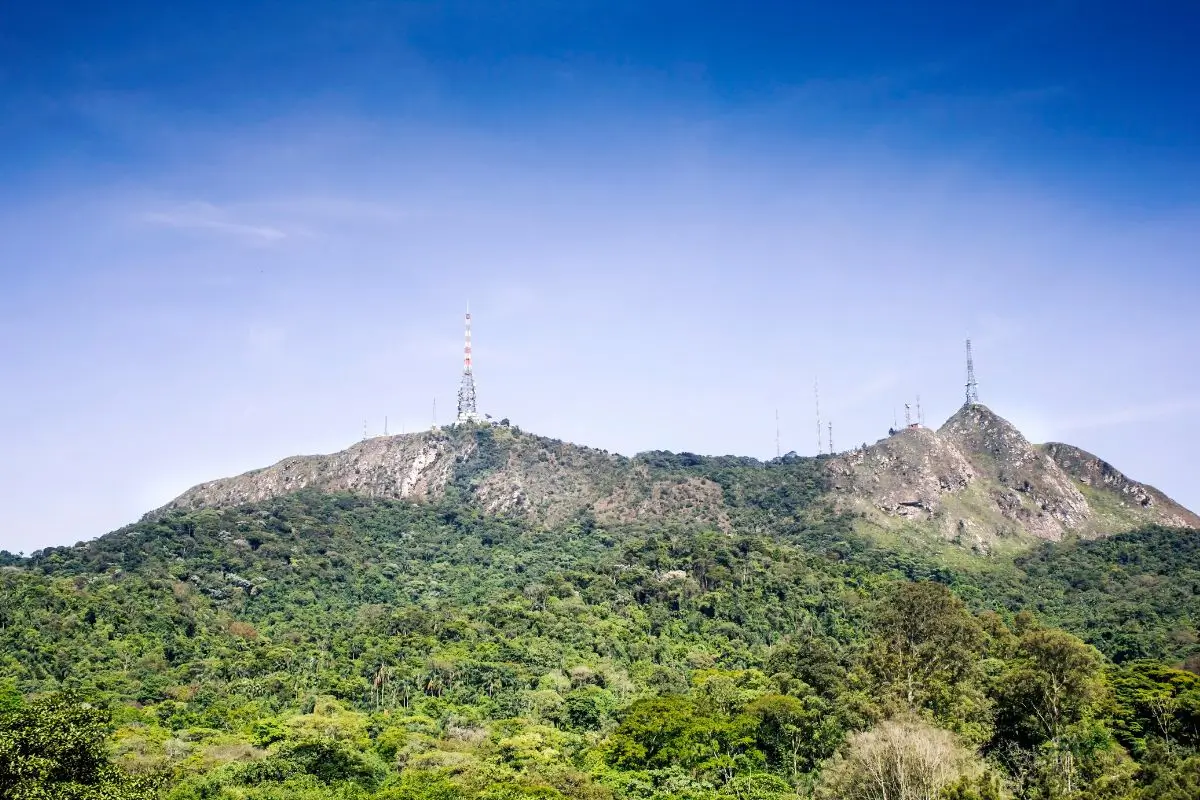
466	389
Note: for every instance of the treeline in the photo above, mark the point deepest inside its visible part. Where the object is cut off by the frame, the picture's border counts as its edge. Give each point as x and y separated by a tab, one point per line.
320	646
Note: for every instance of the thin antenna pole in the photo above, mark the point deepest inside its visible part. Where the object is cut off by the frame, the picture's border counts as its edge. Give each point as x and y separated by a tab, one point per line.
364	430
467	348
435	412
907	416
920	416
972	386
831	451
817	398
777	451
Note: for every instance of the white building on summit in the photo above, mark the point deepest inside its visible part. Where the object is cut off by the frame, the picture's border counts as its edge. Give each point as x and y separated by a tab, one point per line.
466	389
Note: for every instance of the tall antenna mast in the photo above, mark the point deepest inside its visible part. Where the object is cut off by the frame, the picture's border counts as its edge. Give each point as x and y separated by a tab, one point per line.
817	398
466	389
907	416
920	416
831	438
972	387
777	451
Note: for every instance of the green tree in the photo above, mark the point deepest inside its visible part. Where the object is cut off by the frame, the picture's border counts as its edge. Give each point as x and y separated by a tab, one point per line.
794	734
1172	778
1154	700
664	732
927	653
54	749
1054	682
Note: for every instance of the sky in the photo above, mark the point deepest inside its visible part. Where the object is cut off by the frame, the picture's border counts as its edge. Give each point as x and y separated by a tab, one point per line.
231	232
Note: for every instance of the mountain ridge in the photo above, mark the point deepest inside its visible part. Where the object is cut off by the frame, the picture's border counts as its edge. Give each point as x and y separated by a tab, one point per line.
974	481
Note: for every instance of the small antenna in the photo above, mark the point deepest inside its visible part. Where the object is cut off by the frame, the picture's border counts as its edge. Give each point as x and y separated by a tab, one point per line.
364	430
435	413
907	416
777	451
817	398
831	451
895	423
972	386
920	416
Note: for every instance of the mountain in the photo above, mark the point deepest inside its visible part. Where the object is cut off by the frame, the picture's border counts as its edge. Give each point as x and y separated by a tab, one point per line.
976	481
500	470
478	613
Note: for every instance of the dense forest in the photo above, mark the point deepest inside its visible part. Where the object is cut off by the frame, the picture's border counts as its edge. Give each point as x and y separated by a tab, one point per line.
333	646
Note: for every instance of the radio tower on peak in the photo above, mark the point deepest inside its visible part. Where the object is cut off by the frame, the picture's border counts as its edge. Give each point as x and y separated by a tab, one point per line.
466	389
817	400
972	387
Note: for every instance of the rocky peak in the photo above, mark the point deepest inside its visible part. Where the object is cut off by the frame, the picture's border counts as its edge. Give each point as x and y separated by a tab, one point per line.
500	469
1032	489
977	477
979	432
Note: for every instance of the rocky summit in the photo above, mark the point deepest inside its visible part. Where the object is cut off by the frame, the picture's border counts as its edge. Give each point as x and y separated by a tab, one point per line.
500	470
975	481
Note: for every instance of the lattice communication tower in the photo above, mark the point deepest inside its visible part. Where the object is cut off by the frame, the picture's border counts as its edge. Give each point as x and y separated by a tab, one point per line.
466	389
972	386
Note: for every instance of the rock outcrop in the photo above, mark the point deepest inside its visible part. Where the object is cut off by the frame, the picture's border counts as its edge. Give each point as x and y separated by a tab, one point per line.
978	479
411	467
905	475
1095	473
975	480
504	471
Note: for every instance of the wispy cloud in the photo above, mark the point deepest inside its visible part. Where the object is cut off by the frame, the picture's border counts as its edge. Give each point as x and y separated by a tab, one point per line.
207	217
333	208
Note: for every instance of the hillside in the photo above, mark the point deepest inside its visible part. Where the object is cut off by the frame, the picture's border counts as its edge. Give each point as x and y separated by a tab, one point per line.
480	613
975	481
499	469
324	645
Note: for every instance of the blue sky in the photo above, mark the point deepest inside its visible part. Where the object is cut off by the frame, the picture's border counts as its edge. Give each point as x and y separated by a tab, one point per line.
229	232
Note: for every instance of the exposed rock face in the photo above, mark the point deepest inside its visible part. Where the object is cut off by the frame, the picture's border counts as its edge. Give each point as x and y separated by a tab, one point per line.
906	474
543	480
977	479
413	467
974	480
1031	489
1099	474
